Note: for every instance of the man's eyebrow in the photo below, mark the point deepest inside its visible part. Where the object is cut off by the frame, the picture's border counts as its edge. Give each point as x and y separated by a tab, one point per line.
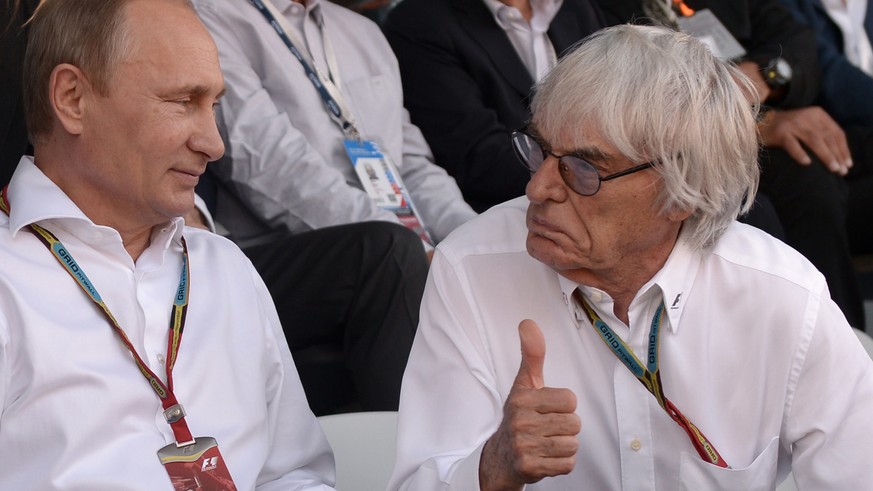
591	154
196	90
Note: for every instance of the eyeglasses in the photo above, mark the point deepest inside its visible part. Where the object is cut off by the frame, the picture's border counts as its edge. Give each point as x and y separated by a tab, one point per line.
576	172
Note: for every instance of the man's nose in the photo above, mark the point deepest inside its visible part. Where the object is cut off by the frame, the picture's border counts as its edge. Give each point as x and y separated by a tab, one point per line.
546	183
207	140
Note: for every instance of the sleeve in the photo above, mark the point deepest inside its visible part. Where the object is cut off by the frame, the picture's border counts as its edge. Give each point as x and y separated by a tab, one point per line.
463	129
776	33
300	458
845	87
5	365
763	27
828	424
274	170
449	402
434	193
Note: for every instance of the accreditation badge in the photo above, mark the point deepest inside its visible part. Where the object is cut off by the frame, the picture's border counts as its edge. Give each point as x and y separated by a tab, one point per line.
381	181
196	467
706	27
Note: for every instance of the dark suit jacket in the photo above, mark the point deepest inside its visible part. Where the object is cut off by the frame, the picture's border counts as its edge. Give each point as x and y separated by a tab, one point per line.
847	92
13	133
467	89
765	29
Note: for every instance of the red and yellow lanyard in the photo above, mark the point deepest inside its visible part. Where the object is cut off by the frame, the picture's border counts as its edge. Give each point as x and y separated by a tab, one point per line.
650	376
173	411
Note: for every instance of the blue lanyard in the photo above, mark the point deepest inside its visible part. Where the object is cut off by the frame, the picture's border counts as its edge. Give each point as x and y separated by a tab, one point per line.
330	102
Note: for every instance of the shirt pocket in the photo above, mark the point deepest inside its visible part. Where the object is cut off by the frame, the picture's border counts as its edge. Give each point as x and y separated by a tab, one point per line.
375	105
695	474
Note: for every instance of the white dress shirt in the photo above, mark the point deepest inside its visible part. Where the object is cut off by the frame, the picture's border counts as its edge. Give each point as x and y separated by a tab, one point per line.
76	412
289	165
754	353
530	39
849	16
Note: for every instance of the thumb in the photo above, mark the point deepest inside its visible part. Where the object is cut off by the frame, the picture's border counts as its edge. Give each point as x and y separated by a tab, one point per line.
533	354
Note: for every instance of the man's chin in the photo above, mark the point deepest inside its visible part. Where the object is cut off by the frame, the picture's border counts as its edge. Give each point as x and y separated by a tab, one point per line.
541	248
548	252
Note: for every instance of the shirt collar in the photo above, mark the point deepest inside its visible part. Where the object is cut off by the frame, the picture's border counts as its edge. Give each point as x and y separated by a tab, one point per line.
312	7
544	12
671	284
33	198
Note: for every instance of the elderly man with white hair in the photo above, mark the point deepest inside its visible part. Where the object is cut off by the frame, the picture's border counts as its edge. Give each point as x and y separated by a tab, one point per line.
663	345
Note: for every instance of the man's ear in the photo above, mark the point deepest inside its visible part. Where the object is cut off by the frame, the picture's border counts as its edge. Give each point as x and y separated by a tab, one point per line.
678	215
68	88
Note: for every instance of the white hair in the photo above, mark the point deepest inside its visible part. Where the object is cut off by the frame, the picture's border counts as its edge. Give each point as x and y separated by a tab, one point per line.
658	95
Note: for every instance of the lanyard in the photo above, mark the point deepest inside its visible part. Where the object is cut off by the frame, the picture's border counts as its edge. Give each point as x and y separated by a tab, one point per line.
173	411
327	89
650	376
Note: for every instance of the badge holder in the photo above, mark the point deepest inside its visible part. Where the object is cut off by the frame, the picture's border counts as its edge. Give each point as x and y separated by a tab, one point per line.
706	27
196	465
381	180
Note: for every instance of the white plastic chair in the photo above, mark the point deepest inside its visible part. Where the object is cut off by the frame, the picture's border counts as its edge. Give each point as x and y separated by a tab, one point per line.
364	445
867	342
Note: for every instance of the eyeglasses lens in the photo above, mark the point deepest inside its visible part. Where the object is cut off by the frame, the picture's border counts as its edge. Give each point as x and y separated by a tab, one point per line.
528	150
577	173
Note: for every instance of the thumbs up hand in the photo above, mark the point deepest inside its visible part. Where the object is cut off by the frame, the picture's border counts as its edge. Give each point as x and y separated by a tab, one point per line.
537	437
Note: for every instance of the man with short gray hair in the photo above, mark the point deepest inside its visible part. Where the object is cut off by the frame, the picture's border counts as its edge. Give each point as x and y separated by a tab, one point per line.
663	345
135	353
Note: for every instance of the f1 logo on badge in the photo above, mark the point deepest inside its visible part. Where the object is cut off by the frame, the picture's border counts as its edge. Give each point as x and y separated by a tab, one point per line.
209	464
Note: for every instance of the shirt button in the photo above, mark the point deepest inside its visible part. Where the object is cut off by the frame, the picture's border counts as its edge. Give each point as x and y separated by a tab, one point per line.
161	359
636	445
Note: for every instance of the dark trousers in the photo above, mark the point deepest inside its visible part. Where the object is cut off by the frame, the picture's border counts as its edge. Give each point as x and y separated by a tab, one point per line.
826	217
348	299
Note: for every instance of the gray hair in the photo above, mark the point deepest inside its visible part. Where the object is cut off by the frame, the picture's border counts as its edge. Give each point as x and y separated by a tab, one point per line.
92	35
658	95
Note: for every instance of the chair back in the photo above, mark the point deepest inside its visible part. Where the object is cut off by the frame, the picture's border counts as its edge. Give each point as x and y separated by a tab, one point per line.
364	445
866	341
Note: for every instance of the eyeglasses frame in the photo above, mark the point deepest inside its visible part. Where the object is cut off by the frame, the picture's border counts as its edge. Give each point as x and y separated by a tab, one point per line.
526	163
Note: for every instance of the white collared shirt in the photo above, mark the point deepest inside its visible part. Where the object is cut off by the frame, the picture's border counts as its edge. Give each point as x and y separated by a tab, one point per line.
530	40
849	16
753	352
286	159
76	411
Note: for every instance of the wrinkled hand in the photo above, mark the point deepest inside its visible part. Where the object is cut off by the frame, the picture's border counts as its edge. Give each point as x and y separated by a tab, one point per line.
811	127
538	435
